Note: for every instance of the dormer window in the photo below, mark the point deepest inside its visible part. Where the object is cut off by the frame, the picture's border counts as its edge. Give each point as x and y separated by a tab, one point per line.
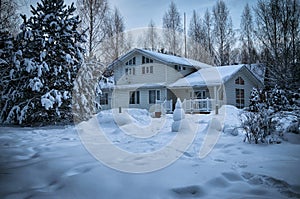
146	60
130	62
239	81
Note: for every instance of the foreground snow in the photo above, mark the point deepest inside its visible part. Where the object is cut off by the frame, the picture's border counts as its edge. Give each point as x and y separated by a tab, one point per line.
52	162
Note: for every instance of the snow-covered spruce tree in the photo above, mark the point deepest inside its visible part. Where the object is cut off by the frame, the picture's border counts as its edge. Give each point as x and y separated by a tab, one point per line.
6	66
52	55
258	100
277	99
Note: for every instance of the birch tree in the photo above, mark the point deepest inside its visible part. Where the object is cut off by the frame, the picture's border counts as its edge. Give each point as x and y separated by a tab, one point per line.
223	33
278	31
248	54
94	17
173	27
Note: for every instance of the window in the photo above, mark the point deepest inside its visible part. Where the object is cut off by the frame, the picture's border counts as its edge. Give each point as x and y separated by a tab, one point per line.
130	62
153	96
200	94
147	69
134	97
179	68
130	71
104	99
146	60
239	81
240	98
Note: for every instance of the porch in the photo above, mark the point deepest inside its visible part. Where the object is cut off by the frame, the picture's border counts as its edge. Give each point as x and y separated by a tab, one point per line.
191	105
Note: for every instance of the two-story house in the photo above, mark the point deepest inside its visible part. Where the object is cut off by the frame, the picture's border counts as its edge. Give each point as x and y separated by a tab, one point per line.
144	78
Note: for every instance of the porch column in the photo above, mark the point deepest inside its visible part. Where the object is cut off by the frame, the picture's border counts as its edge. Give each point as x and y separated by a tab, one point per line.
216	100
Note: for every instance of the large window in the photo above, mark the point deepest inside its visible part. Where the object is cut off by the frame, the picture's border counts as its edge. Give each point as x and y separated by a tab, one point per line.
239	81
240	98
130	62
134	97
104	99
153	96
146	60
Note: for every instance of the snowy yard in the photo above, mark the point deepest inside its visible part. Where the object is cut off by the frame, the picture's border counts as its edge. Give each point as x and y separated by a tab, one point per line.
52	162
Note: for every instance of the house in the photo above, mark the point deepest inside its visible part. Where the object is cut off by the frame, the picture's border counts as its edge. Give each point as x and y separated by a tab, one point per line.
143	79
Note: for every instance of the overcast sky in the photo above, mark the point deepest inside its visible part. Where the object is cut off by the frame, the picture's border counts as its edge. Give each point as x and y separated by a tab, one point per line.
138	13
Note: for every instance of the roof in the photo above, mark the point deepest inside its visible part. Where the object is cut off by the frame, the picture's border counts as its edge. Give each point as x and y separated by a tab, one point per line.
139	86
165	58
211	76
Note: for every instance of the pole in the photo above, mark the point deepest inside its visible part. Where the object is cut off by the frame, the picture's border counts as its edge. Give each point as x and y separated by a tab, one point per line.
185	54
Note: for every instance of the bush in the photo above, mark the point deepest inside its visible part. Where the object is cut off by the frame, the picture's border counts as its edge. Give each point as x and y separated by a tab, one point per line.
257	125
260	121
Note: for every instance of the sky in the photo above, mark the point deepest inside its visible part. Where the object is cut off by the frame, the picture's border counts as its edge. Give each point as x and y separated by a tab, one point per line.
138	13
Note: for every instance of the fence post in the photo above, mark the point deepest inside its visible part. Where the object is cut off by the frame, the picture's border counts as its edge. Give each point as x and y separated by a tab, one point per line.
207	104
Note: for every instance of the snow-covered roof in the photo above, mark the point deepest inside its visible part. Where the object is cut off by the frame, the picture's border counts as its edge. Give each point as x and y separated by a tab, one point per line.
165	58
145	85
209	76
171	59
107	82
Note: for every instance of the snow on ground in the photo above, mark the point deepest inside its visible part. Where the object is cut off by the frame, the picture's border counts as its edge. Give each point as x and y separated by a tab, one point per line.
52	162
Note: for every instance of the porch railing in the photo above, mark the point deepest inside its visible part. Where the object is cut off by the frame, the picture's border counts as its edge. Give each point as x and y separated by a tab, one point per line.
200	105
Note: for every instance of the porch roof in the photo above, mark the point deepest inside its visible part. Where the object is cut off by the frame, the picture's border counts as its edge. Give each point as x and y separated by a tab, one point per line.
141	86
208	76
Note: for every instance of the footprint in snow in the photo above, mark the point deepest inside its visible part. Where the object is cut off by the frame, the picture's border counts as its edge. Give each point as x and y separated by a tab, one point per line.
270	182
78	170
193	191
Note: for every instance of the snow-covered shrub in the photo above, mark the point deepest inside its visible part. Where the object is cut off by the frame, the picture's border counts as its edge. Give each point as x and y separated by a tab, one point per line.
257	100
258	125
264	121
249	124
277	99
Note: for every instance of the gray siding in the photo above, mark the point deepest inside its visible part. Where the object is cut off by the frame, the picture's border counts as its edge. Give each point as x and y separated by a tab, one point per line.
230	86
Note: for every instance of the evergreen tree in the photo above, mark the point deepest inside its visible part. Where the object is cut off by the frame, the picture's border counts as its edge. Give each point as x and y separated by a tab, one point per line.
51	57
6	51
277	99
